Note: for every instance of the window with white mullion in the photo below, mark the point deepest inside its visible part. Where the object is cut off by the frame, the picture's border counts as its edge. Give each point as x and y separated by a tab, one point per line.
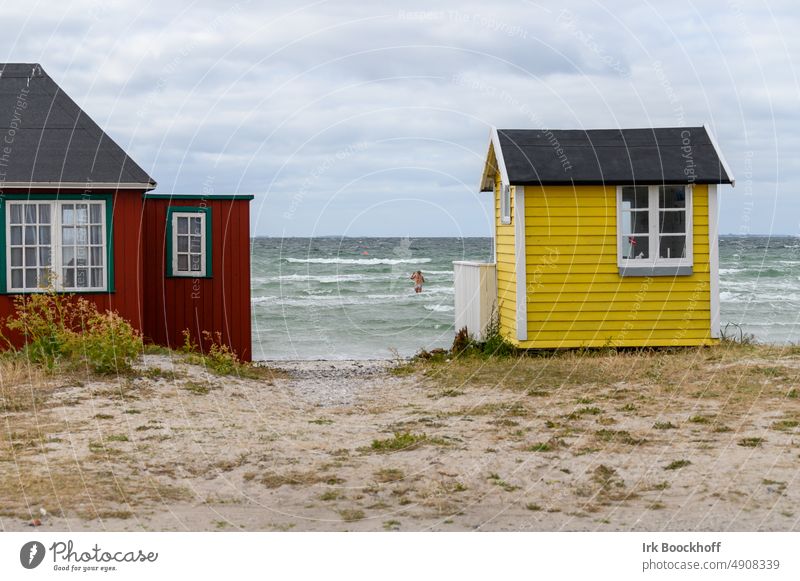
654	225
189	244
56	244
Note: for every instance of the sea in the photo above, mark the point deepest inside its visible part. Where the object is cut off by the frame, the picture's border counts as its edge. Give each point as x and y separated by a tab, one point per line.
353	298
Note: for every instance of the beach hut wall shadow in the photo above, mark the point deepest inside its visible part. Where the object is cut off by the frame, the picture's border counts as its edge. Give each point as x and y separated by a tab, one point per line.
79	216
602	237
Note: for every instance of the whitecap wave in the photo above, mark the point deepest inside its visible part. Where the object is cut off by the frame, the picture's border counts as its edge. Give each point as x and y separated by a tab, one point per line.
440	308
360	261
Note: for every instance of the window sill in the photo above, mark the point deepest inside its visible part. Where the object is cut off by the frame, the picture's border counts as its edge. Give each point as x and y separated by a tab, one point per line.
656	270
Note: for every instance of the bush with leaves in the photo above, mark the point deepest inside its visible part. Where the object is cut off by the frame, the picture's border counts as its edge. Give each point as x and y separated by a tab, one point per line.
59	329
108	343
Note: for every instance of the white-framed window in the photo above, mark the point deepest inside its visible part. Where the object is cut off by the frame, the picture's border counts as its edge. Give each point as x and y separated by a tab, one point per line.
505	204
654	227
58	244
189	243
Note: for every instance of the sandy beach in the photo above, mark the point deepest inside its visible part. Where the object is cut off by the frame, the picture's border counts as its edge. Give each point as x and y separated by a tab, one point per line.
698	440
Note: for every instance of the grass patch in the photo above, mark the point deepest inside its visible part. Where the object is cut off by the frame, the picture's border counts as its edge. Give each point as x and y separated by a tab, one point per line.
584	411
495	479
700	420
618	437
750	442
533	507
548	446
197	388
677	464
785	425
321	422
351	514
400	441
385	475
664	426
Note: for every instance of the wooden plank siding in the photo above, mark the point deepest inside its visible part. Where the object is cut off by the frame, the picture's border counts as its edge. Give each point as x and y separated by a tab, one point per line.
220	303
576	296
506	270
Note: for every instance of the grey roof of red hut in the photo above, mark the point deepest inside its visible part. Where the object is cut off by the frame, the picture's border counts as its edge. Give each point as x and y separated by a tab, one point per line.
47	140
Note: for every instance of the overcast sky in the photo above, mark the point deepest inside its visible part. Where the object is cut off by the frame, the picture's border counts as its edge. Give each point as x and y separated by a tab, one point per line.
359	118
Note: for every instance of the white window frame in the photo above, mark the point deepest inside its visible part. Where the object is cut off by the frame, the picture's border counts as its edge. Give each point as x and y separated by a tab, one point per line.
56	246
505	203
203	245
654	261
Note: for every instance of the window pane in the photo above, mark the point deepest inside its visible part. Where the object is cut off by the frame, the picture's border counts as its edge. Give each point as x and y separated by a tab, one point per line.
635	222
82	277
82	256
672	247
68	235
44	278
16	278
44	234
195	246
634	197
81	235
81	214
97	277
636	247
30	234
195	226
97	256
183	263
69	277
16	235
30	213
183	244
96	213
44	256
96	235
68	256
44	213
195	262
183	225
30	257
673	222
67	214
16	214
16	257
672	196
31	278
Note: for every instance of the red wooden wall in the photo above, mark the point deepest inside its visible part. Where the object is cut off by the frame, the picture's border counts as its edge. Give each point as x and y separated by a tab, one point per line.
220	303
126	298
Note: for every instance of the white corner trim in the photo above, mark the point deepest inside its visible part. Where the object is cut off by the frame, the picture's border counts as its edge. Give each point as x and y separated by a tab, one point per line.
520	263
498	154
719	154
713	258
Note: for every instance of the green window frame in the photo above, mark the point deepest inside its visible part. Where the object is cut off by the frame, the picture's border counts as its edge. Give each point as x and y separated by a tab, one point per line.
100	254
188	242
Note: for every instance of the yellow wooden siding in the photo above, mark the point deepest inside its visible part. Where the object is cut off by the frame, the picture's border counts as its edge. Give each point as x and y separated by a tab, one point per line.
575	294
506	269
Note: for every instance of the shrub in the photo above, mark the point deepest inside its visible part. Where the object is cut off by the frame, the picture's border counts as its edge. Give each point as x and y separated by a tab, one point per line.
59	328
108	343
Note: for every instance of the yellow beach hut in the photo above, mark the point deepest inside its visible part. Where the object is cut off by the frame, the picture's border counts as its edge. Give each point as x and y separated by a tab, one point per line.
603	237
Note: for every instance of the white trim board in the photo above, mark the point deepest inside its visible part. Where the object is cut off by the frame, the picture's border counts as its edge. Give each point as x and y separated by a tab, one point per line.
520	263
493	149
713	258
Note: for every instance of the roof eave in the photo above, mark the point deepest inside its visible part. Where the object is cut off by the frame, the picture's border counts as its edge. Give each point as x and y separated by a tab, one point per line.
494	149
78	186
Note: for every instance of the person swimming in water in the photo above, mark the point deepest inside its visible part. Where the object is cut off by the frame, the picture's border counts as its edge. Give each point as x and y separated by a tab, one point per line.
418	280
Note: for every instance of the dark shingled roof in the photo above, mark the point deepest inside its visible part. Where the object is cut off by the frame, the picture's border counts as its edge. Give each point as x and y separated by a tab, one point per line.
675	155
53	142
